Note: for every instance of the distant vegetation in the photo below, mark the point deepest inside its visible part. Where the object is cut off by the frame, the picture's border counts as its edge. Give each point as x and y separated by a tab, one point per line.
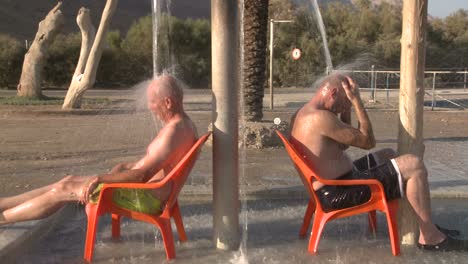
359	35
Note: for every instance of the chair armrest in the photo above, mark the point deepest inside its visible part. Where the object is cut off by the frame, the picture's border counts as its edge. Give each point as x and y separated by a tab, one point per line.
153	185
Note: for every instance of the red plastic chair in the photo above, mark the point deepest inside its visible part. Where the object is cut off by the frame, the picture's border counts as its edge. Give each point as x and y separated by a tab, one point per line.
163	221
376	202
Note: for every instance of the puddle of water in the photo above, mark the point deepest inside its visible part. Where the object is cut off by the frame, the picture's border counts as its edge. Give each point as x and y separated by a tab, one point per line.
273	227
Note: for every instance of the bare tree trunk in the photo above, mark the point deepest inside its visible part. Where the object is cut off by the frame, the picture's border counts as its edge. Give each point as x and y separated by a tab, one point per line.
88	33
410	134
31	75
85	73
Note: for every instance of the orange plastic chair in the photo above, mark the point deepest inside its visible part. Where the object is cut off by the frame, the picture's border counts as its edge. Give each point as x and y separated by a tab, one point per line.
163	221
376	202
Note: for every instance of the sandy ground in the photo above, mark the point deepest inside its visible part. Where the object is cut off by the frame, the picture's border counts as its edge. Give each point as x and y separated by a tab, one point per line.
40	144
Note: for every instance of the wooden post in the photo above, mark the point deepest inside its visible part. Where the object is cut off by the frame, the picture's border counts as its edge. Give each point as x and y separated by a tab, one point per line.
410	134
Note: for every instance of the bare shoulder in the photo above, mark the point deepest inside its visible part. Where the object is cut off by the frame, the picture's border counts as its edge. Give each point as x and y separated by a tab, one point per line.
312	116
181	130
324	116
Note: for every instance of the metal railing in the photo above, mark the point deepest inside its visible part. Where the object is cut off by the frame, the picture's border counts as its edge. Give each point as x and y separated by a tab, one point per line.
389	80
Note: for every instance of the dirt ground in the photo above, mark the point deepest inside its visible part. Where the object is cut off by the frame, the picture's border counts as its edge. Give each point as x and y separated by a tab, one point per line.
40	144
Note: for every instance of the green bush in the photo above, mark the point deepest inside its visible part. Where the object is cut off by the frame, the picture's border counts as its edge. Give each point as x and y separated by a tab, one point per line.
63	57
11	60
191	47
111	72
184	48
137	50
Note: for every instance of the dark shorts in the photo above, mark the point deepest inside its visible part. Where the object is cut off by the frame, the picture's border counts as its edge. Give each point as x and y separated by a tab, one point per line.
339	197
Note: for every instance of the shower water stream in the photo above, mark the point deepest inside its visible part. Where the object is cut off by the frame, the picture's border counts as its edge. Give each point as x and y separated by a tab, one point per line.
158	57
324	35
240	257
156	14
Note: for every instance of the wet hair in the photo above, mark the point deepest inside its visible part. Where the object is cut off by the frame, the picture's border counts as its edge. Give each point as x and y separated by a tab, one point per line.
168	85
172	88
334	80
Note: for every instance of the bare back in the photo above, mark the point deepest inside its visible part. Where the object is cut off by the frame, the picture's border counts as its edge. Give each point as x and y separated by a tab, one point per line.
308	137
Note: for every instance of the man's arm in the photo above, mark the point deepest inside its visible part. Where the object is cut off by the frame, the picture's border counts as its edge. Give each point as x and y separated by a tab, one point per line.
343	133
123	166
345	117
155	159
364	124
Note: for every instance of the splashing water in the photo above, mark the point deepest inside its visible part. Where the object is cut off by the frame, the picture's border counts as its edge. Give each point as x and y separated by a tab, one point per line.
239	258
324	35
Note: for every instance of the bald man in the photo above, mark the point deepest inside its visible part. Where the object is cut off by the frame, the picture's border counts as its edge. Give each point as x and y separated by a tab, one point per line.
322	131
177	136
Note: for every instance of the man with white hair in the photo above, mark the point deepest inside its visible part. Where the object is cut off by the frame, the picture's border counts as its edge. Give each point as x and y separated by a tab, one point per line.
177	136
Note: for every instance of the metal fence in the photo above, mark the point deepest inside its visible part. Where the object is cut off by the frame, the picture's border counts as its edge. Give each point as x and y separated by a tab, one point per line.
444	87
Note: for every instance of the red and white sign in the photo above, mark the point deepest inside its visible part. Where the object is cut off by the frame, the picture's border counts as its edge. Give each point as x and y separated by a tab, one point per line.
296	53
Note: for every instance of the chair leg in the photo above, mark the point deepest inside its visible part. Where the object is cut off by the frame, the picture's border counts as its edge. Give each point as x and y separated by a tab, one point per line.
168	238
91	232
307	217
317	228
393	227
372	218
115	226
178	221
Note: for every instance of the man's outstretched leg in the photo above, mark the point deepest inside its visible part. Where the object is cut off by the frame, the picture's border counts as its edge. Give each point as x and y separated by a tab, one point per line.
12	201
415	175
42	202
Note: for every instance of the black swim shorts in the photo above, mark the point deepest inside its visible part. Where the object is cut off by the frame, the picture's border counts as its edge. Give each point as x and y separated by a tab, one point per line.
339	196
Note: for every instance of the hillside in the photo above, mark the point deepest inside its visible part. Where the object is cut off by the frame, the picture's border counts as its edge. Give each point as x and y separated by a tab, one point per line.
20	18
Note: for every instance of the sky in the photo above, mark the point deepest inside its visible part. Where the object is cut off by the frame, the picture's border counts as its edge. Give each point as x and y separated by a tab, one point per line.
443	8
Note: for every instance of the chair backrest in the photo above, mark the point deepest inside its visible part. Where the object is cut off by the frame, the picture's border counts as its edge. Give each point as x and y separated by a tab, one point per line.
181	171
307	174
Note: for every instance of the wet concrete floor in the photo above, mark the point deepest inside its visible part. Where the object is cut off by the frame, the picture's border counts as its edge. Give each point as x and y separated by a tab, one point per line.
270	236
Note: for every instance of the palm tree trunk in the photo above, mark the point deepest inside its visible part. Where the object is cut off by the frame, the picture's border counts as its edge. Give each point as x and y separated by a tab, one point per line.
255	41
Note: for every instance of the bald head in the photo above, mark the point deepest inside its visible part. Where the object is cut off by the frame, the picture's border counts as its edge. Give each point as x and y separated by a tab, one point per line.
333	81
165	95
166	86
331	92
